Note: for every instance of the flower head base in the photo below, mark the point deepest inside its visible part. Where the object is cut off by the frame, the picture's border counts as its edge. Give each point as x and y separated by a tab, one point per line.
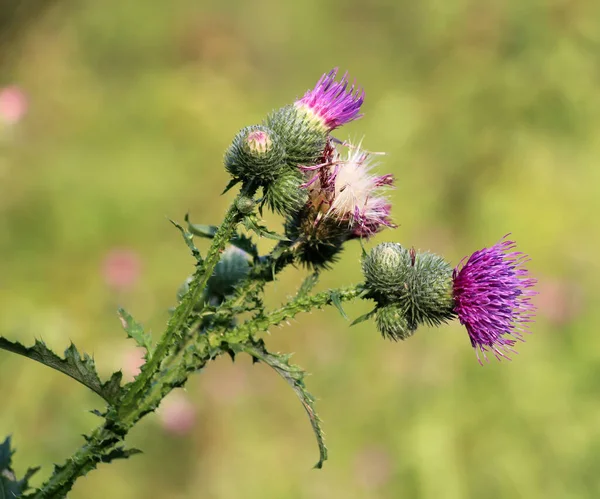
492	298
332	103
344	202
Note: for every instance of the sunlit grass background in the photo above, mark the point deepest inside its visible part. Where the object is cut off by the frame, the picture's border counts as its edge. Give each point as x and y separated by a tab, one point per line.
489	113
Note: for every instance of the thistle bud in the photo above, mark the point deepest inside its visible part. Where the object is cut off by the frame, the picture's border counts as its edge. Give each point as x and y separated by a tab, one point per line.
245	205
256	153
384	269
303	138
392	323
421	283
285	195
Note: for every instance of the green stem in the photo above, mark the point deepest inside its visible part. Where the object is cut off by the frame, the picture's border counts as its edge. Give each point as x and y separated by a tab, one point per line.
144	394
179	320
290	310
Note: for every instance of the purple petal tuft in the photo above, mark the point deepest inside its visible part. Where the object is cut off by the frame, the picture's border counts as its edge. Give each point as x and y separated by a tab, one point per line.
333	102
493	298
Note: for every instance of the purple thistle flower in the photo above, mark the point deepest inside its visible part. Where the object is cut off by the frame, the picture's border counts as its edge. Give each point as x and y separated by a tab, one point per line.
492	298
331	102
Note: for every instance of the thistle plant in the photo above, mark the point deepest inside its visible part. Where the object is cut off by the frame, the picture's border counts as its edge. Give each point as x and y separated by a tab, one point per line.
328	194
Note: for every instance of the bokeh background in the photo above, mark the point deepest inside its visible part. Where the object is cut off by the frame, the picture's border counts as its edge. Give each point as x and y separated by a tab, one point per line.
114	116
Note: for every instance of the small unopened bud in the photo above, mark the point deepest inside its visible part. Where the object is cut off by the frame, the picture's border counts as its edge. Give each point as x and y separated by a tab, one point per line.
256	153
245	205
392	323
259	142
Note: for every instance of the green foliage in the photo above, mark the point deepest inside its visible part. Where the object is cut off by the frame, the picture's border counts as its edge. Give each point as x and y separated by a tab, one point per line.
188	237
294	376
136	332
79	367
10	486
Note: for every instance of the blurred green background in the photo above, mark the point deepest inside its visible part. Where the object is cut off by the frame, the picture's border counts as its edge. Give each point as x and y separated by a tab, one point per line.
490	116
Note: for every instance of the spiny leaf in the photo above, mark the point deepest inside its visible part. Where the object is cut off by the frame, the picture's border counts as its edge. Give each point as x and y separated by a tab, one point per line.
136	332
294	375
119	453
245	244
10	486
188	237
232	183
363	318
208	231
337	302
201	230
308	284
251	222
80	368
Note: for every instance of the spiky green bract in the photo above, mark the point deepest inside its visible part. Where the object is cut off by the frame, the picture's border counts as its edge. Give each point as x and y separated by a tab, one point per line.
303	137
255	155
315	245
384	269
419	284
285	194
392	323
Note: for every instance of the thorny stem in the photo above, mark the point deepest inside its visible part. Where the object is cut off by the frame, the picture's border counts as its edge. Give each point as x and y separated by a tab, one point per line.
144	394
108	436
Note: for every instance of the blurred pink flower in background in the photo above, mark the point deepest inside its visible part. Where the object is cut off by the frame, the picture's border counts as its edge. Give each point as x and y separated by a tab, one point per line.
121	268
13	104
133	360
177	414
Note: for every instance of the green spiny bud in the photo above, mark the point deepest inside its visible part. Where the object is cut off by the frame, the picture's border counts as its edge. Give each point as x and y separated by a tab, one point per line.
245	205
420	283
256	153
392	323
384	269
303	138
285	195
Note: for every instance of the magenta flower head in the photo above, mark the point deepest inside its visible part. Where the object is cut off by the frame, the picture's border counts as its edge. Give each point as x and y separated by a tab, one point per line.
331	102
492	298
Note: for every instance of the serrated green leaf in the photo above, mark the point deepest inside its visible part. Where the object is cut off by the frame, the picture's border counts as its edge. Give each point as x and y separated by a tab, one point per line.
200	230
337	302
208	231
119	453
294	375
232	183
188	237
363	318
10	486
251	222
80	368
136	332
246	244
